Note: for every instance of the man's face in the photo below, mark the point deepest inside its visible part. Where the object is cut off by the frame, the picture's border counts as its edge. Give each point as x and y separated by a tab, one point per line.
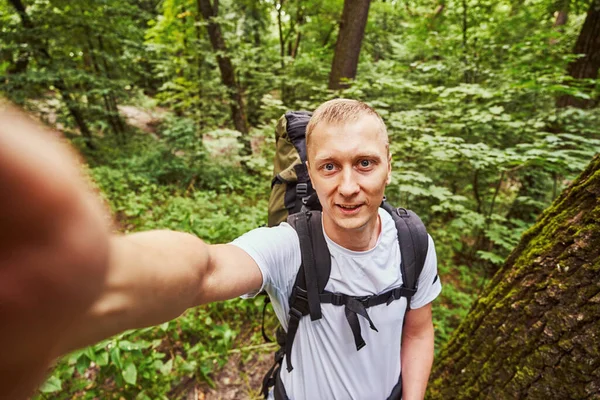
349	167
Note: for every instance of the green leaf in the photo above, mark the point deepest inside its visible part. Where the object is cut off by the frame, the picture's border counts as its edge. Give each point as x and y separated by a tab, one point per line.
102	359
166	368
491	257
53	384
496	110
130	373
115	356
129	346
89	352
82	364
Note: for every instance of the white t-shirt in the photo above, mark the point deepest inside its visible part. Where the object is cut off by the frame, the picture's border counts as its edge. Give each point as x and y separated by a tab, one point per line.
326	362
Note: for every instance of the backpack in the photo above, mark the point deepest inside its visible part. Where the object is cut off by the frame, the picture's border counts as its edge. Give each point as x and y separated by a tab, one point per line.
291	183
293	200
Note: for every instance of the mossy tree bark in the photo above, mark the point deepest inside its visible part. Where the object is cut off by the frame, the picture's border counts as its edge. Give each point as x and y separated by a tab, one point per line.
535	330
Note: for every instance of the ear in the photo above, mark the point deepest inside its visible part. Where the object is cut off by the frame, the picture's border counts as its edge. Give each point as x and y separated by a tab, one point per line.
309	175
389	172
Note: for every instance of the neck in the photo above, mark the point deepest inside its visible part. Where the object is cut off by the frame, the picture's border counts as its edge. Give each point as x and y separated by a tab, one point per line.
359	239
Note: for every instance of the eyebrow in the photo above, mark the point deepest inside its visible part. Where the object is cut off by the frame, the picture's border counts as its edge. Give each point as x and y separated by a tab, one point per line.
361	156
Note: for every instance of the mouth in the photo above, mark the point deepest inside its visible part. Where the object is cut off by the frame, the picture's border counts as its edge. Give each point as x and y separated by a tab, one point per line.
349	209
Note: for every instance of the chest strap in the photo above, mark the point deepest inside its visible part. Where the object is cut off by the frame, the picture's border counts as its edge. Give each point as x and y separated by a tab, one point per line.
353	307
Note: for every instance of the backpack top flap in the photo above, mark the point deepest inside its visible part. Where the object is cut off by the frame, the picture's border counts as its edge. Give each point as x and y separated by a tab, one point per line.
288	166
296	130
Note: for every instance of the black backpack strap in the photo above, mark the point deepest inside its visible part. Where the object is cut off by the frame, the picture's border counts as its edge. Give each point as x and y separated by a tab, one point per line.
309	263
312	276
414	242
262	327
270	379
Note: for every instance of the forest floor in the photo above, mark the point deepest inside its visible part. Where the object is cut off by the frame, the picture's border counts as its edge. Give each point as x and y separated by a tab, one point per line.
240	378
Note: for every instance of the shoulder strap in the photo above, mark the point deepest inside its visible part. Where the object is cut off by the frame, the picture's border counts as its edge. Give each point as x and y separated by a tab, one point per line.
312	238
413	241
312	276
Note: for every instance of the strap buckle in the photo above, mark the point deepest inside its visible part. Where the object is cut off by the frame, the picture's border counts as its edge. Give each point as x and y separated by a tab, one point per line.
337	299
302	189
301	293
395	295
363	299
401	291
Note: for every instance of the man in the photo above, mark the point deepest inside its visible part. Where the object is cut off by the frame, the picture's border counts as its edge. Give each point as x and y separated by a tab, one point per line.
65	282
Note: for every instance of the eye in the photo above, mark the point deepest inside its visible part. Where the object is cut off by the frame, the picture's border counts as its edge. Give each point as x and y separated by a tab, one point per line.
365	163
328	167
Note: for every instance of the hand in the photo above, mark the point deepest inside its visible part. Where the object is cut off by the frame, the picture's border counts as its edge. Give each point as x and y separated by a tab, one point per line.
53	248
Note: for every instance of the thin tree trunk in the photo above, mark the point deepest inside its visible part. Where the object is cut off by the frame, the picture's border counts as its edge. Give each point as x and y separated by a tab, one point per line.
98	71
349	41
534	188
200	70
297	28
228	74
114	115
561	16
281	39
59	83
533	333
515	7
561	19
586	67
465	41
437	13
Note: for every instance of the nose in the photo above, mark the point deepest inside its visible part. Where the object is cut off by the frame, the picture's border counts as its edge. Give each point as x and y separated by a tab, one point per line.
348	185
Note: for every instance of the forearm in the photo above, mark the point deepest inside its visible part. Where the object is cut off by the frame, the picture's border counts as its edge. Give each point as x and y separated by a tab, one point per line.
153	277
417	359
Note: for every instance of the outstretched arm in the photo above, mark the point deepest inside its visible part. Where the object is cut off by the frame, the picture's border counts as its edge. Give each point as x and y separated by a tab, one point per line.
65	281
154	276
417	352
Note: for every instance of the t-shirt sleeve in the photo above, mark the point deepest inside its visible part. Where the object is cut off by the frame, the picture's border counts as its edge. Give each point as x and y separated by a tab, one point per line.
276	251
429	282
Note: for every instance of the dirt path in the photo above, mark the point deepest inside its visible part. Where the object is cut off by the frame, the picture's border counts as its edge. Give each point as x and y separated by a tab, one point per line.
145	119
239	379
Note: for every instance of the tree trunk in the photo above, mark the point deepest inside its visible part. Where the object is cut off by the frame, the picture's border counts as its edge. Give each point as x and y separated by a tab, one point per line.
281	39
297	28
115	117
586	67
39	48
238	111
465	41
533	333
561	19
347	47
561	16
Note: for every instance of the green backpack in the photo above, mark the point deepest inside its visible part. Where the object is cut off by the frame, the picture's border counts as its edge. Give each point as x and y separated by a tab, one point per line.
291	185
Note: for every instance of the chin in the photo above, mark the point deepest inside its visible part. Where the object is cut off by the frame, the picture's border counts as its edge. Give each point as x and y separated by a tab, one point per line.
351	223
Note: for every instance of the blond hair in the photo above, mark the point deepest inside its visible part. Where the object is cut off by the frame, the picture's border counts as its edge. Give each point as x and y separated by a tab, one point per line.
339	112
